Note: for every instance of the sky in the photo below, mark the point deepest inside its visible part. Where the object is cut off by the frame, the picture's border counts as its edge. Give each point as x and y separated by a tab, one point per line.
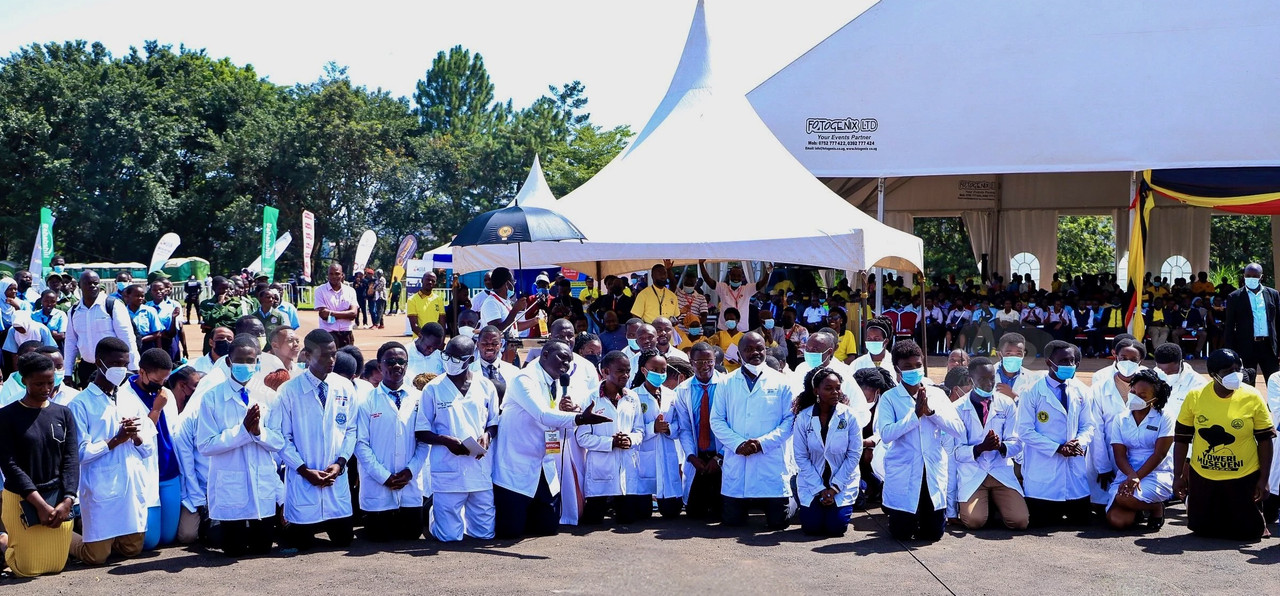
624	52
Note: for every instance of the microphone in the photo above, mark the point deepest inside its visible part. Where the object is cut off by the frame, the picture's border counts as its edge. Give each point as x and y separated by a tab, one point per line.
564	381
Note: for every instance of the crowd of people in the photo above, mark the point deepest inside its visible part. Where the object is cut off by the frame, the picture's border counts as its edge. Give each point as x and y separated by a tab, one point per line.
645	397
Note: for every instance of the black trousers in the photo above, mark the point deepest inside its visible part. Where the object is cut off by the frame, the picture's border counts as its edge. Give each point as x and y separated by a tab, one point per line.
775	511
705	501
925	523
303	536
404	523
247	537
1073	512
1260	357
626	508
517	515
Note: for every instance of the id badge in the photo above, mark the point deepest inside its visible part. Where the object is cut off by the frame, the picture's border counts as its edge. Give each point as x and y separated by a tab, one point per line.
552	440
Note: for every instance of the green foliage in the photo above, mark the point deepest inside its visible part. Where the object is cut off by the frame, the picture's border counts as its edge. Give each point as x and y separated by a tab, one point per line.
126	149
1237	240
1086	245
946	247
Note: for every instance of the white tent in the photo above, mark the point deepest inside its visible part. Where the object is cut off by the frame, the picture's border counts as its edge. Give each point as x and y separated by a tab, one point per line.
1006	86
706	179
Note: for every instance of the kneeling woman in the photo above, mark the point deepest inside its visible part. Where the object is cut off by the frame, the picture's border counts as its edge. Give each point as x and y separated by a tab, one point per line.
1140	439
828	447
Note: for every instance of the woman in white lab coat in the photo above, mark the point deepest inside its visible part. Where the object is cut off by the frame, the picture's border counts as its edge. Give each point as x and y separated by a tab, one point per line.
660	452
828	448
614	478
232	432
1110	400
1140	439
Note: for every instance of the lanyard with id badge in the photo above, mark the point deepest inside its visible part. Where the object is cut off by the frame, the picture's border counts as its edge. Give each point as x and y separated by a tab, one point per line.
553	442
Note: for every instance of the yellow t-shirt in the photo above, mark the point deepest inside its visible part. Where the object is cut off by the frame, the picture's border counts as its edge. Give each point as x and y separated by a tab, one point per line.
784	286
846	346
652	303
588	294
723	339
428	309
1202	287
1224	447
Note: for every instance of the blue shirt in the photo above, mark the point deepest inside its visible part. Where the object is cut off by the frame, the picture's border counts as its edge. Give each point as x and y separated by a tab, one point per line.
56	320
145	321
695	407
1259	313
291	312
164	312
168	457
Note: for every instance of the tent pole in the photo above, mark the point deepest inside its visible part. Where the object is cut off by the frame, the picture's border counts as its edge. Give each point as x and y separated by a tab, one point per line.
880	270
924	329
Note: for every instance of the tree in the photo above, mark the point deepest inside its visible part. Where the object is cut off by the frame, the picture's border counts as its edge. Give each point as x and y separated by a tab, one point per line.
946	247
1236	241
1086	245
457	95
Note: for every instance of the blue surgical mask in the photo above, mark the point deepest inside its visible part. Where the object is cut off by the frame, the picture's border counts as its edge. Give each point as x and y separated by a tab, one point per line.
768	323
730	325
1252	282
735	284
981	393
1065	372
1011	364
510	292
913	376
1031	305
695	331
58	268
655	378
543	291
813	359
875	347
241	373
633	344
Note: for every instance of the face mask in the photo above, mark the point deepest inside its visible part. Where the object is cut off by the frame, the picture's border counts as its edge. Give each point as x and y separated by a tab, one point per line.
510	292
1127	368
542	291
466	331
875	347
983	393
913	376
1031	305
1066	373
813	359
455	366
655	378
594	359
659	283
115	375
735	284
1136	403
1011	364
57	269
730	325
1252	283
222	347
241	373
1233	380
754	369
631	343
688	289
262	343
695	331
768	323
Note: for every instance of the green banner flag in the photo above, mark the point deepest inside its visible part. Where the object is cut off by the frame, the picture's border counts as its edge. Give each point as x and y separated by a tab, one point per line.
46	238
269	215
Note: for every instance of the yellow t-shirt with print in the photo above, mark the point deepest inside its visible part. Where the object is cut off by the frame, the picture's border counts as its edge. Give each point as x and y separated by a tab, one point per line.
1223	446
847	346
723	339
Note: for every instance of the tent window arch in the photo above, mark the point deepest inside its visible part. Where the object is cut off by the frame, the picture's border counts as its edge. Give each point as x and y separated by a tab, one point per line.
1025	263
1175	267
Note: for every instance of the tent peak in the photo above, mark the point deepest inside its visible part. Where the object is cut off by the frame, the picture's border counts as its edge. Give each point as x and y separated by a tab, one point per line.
693	73
535	192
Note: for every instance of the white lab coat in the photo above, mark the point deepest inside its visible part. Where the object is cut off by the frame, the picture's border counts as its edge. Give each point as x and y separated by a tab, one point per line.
1187	381
612	471
970	472
763	413
1043	426
316	437
529	413
385	445
584	382
660	454
243	483
152	461
420	363
194	465
913	447
865	361
113	482
842	451
203	364
1273	403
1106	405
857	404
687	424
445	411
1025	380
1139	441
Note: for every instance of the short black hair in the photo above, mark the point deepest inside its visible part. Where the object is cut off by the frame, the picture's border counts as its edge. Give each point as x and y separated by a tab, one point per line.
370	367
345	365
386	347
30	345
1012	338
183	374
317	338
978	362
1131	343
1057	345
244	340
499	276
612	358
905	349
583	339
1168	353
33	363
109	346
43	349
701	346
355	354
433	329
157	359
875	378
957	377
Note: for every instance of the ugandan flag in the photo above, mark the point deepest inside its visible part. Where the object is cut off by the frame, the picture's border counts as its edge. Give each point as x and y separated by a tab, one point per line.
1243	191
1142	203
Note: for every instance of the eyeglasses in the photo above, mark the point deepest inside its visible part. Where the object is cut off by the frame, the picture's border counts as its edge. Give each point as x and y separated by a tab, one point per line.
395	362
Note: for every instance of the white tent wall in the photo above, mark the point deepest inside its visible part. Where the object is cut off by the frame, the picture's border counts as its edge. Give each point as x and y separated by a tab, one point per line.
1029	230
980	225
1182	231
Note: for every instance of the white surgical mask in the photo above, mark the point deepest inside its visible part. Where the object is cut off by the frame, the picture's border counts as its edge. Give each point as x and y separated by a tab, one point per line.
754	369
115	375
1233	380
1127	368
467	331
454	366
1136	403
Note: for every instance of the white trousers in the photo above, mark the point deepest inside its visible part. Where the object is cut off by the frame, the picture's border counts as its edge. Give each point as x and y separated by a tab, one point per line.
456	514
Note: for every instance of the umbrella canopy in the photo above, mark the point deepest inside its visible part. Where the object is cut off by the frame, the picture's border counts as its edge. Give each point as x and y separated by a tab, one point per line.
516	224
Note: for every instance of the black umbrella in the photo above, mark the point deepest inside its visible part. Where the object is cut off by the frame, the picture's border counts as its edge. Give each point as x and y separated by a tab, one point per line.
517	225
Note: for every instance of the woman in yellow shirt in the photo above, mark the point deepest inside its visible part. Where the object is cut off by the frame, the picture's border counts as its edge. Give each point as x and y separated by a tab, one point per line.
846	341
1228	429
728	338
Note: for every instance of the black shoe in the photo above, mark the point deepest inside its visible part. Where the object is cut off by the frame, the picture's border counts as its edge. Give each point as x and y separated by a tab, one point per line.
1155	523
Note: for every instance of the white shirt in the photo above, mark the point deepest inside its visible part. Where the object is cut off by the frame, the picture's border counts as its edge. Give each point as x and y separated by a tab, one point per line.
970	472
913	447
493	308
865	361
13	390
315	436
1273	403
1188	380
814	314
445	411
385	445
861	409
88	324
421	363
243	483
1043	426
504	368
112	481
762	412
528	420
614	471
194	465
841	451
1139	440
660	454
203	364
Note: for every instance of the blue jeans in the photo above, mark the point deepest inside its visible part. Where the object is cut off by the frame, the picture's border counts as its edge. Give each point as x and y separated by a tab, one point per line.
824	520
162	520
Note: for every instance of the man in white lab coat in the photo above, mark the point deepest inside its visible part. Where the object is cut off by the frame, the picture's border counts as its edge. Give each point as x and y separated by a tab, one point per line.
1055	426
490	364
241	447
984	456
424	354
536	414
751	416
458	413
116	438
1012	380
702	470
911	419
584	382
316	414
393	482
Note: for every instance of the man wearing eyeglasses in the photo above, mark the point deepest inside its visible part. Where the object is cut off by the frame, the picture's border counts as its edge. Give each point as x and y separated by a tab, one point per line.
693	419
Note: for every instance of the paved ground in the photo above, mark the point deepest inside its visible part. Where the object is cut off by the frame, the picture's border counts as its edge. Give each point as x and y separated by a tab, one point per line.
680	555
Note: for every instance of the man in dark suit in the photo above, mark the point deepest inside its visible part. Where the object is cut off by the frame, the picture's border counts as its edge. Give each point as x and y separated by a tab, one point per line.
1251	322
